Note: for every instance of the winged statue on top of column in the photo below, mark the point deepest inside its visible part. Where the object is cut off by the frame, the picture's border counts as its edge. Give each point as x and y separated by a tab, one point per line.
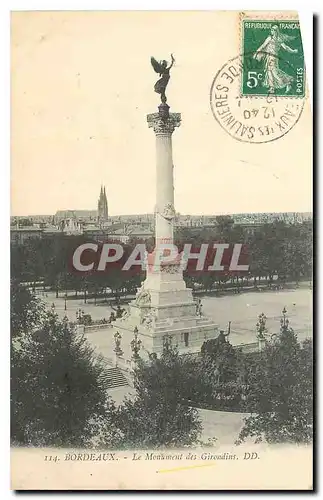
162	68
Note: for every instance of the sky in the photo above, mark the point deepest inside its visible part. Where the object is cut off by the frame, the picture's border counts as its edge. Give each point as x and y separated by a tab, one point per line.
81	87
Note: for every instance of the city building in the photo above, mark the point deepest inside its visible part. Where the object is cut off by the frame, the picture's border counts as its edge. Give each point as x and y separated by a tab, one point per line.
19	235
81	215
71	226
97	225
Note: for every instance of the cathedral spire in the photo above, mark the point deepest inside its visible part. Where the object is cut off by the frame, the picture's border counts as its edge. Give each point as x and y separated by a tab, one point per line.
102	205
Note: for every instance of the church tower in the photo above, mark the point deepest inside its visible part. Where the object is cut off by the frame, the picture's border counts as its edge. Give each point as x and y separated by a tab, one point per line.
102	206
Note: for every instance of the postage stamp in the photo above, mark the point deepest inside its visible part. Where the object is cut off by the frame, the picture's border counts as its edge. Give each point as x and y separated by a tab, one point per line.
276	47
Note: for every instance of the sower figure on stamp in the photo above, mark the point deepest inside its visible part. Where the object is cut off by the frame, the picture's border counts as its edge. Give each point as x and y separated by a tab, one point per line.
275	78
161	68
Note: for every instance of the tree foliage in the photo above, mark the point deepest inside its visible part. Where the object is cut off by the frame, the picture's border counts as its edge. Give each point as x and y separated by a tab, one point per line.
59	396
220	355
157	418
276	249
58	388
26	311
280	392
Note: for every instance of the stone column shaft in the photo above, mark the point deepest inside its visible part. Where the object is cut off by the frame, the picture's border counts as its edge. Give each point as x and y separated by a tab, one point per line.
164	127
164	187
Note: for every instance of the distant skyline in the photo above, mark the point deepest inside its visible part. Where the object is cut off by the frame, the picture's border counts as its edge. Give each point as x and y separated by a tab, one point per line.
82	85
151	213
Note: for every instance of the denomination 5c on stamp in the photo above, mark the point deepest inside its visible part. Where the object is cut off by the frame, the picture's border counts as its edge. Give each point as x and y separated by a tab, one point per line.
278	55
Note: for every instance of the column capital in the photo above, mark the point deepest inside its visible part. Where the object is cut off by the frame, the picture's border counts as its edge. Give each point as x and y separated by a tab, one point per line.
164	124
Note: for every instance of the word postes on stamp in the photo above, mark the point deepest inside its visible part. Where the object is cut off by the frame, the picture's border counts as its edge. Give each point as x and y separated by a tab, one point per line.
278	58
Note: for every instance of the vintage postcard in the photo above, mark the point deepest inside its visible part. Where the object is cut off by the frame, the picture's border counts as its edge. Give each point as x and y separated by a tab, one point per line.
161	251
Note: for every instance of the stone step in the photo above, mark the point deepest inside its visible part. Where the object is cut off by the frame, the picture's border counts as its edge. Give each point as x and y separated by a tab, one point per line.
115	378
109	362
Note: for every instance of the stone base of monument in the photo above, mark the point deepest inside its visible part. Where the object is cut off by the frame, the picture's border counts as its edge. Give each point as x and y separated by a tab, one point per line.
188	335
164	307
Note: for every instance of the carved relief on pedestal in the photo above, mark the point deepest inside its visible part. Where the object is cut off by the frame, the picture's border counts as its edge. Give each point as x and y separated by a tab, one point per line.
125	316
148	319
143	298
170	268
168	211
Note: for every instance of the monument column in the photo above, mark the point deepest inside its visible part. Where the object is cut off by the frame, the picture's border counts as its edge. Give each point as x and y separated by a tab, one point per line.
164	124
164	306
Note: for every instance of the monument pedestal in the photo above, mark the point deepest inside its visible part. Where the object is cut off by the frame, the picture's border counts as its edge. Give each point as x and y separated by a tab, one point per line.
164	306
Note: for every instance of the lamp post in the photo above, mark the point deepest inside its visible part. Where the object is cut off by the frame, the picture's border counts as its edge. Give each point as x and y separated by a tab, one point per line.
79	315
284	321
135	344
261	330
65	297
117	341
261	325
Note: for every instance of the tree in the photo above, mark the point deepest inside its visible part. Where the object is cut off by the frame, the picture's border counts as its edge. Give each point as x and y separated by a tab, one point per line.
280	391
156	417
224	226
220	356
58	388
26	310
217	382
275	248
300	252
